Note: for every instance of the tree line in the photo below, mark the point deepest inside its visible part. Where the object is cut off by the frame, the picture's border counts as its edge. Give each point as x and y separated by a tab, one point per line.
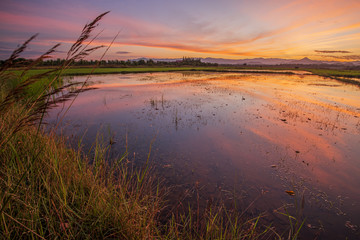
185	61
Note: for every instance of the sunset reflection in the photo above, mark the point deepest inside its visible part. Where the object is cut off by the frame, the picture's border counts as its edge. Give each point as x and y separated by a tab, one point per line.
267	131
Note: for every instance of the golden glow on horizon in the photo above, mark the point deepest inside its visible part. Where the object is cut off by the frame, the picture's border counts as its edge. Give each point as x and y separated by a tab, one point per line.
270	29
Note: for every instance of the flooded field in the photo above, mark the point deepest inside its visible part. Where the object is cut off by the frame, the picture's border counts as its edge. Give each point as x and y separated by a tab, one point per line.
240	137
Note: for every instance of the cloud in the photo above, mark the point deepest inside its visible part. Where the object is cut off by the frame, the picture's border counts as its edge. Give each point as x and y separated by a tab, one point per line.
30	23
348	57
122	52
4	54
270	29
182	47
331	51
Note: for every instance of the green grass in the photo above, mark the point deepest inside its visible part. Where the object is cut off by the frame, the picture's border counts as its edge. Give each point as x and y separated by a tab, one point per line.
266	70
51	191
86	71
346	76
336	73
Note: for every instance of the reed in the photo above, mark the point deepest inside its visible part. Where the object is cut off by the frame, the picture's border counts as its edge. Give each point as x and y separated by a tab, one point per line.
51	191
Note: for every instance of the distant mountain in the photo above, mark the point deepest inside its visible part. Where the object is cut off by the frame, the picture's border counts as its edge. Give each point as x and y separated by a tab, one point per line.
158	59
259	61
254	61
276	61
167	59
305	60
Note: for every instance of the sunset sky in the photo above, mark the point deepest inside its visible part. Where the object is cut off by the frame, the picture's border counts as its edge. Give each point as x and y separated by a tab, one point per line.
234	29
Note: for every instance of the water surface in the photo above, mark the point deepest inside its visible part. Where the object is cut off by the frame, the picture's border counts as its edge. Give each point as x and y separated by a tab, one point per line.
254	136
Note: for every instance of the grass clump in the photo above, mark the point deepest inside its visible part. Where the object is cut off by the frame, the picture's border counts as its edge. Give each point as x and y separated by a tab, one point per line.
50	191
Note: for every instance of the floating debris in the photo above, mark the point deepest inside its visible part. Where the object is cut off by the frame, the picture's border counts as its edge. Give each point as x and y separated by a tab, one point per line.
311	226
305	163
291	193
351	226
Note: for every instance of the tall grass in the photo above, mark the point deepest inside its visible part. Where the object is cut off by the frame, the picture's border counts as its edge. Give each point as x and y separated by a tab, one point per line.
48	190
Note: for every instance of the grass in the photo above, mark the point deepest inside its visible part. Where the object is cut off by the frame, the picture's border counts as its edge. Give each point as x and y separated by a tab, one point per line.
346	76
336	73
87	71
48	190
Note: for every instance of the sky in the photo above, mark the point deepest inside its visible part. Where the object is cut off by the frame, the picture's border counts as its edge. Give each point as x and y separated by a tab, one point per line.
232	29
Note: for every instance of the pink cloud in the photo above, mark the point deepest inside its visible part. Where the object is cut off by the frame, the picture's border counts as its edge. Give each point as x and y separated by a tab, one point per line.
281	26
34	23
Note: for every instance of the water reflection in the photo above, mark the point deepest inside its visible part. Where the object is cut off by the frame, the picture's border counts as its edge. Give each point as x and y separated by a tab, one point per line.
255	133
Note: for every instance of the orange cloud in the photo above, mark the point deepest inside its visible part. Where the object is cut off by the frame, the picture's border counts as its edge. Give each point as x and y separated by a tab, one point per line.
272	30
305	29
331	51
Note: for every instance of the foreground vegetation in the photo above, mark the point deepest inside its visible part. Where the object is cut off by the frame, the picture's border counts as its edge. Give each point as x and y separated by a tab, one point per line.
48	190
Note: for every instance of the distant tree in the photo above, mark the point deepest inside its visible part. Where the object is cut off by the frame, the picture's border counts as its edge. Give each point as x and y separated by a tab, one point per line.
141	62
150	62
